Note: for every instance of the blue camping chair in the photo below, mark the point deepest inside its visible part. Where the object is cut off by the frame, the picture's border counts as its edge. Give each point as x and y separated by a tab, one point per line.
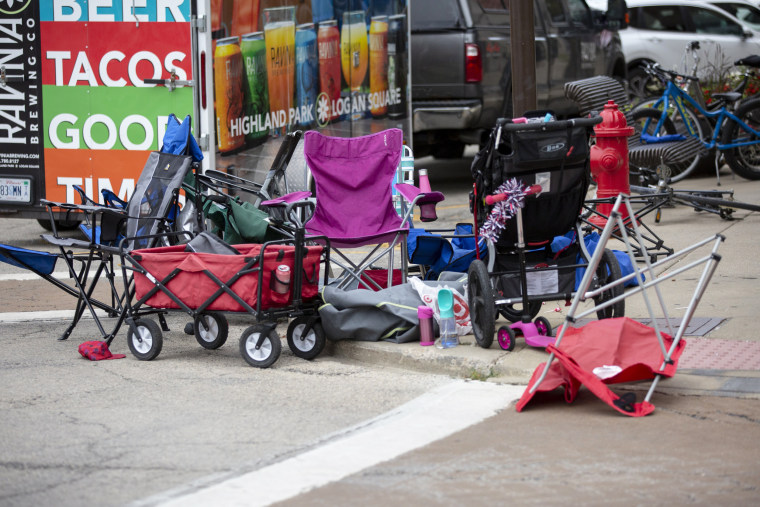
178	140
436	250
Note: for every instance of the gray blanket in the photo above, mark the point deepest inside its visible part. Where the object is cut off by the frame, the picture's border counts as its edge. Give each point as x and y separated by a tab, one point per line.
389	314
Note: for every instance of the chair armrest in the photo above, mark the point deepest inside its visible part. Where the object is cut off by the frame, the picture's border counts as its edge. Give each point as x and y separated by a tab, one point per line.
296	207
425	200
85	208
414	195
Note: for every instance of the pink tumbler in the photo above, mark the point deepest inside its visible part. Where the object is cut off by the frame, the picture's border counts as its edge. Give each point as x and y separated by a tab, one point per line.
424	181
425	316
427	210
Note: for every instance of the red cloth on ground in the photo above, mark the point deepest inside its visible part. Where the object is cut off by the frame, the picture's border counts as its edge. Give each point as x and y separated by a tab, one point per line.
621	342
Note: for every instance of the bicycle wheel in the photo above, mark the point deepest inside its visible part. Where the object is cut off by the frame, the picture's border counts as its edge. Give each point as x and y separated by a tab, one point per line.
675	123
643	85
744	160
645	120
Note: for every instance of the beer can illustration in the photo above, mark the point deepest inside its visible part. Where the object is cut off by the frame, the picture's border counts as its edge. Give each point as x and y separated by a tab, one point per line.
280	39
328	44
228	93
307	73
378	65
256	94
397	66
353	49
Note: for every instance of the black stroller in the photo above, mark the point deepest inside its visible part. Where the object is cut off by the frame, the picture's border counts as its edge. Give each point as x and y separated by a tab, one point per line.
538	173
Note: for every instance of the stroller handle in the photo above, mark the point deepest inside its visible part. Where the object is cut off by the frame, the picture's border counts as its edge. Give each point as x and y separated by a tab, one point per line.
549	125
493	199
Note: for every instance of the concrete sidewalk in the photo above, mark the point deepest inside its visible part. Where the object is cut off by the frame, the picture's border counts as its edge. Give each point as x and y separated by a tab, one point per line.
723	351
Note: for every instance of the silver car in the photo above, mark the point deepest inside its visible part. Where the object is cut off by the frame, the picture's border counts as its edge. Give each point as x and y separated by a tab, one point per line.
660	30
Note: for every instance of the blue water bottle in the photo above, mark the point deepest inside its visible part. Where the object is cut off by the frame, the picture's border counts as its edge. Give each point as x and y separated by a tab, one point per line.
448	323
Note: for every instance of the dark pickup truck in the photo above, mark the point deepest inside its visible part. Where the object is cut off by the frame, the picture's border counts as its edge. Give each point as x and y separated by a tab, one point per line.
461	73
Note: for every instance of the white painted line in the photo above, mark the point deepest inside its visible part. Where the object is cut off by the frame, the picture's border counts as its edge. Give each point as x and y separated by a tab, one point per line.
12	317
430	417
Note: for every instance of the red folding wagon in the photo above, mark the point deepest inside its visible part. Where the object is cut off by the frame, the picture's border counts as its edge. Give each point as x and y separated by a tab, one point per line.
270	281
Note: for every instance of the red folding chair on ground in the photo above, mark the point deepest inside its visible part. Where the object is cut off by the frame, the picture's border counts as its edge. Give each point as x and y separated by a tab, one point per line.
616	351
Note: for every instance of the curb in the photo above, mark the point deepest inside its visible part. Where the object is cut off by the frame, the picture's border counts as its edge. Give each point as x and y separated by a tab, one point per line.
475	363
467	360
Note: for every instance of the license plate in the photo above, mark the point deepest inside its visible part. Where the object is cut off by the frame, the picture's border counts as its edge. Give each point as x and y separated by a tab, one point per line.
15	190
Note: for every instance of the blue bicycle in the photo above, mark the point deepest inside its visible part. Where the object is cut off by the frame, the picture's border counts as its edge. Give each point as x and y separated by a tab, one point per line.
731	125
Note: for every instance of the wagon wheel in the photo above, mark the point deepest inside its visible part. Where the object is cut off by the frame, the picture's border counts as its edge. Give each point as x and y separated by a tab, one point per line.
211	329
146	343
309	345
481	302
264	354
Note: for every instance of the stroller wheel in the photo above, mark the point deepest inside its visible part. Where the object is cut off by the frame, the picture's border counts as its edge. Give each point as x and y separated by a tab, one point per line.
265	353
147	342
513	314
506	338
308	345
609	271
210	329
481	302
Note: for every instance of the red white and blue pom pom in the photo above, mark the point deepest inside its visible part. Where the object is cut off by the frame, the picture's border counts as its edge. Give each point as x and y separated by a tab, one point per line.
504	210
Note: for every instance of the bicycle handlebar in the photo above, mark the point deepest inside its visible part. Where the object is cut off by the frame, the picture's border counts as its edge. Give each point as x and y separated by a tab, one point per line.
659	71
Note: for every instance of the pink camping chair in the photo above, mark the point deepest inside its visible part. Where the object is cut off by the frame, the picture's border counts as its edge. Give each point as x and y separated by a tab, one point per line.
354	205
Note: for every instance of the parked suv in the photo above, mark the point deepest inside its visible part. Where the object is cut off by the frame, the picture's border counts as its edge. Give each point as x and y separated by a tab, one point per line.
660	30
461	73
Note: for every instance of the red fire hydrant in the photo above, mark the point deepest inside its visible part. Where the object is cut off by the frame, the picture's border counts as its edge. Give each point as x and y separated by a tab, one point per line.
609	160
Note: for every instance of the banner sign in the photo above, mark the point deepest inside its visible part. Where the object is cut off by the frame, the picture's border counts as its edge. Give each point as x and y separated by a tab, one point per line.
90	119
21	114
75	108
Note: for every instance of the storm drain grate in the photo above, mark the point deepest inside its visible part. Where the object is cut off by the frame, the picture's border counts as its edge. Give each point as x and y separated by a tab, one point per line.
698	326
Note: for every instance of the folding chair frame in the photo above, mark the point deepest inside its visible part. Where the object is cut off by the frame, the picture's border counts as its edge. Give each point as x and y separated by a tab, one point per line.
102	254
617	225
